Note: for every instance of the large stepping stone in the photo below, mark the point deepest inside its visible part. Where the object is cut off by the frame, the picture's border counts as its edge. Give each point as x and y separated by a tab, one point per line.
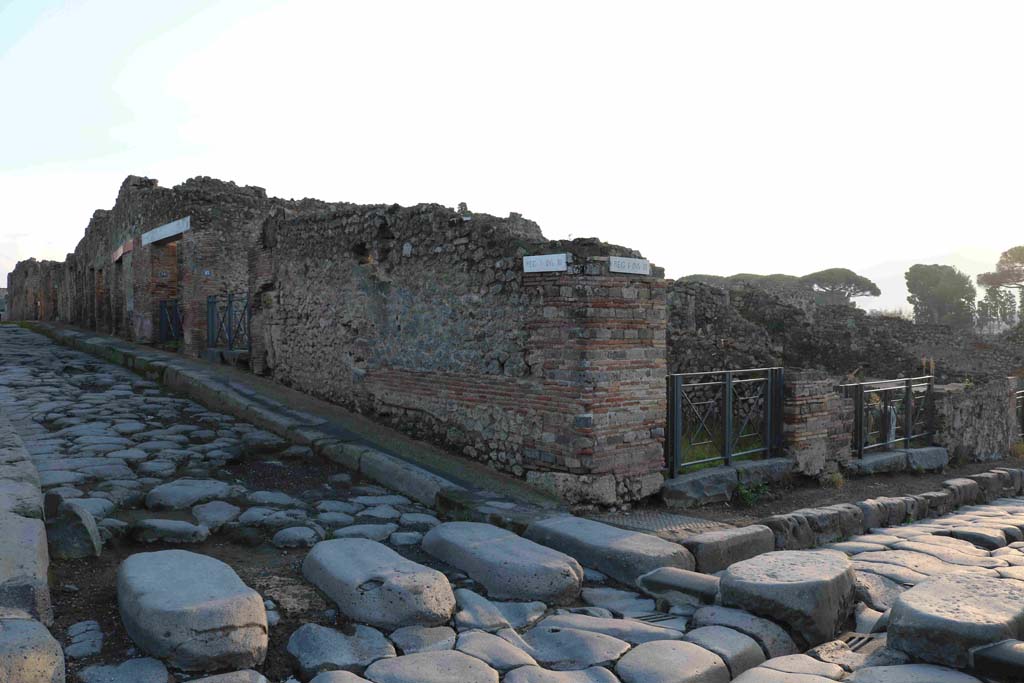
24	563
432	667
508	566
28	653
535	674
375	585
318	648
910	673
939	621
739	652
671	662
812	592
191	610
182	494
772	638
621	554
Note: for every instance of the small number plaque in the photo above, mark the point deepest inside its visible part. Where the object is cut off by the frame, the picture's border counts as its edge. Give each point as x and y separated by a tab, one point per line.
546	263
635	266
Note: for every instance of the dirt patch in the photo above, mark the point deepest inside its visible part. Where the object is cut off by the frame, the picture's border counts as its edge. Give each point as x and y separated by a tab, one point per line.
779	499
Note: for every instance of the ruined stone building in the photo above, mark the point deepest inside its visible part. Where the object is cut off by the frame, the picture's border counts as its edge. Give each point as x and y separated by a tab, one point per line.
420	316
427	318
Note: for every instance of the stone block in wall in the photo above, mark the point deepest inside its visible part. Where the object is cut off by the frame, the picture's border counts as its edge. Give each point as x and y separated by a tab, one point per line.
930	459
878	462
751	473
701	487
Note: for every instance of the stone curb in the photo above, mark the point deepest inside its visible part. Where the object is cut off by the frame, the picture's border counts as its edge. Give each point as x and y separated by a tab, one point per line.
384	468
24	561
814	527
24	554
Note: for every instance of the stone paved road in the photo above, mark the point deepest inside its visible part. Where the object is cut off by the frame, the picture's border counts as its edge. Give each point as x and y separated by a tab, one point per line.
401	599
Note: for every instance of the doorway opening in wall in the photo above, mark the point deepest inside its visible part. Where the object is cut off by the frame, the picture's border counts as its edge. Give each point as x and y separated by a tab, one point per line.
117	298
169	317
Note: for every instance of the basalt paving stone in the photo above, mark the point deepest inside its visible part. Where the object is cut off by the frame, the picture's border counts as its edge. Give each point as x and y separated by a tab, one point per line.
810	591
941	620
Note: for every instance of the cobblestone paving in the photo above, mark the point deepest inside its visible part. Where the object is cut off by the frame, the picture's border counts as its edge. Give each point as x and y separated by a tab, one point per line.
193	509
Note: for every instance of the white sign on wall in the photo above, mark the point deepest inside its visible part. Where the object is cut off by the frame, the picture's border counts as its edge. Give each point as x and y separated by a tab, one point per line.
167	230
545	263
635	266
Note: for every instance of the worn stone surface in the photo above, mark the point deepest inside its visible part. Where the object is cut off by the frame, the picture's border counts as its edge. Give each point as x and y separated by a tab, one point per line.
567	648
28	653
432	667
375	585
623	555
24	565
680	587
142	670
632	631
73	534
940	620
713	551
772	638
910	673
535	674
318	648
493	650
506	564
812	591
191	610
671	662
182	494
702	487
412	639
739	652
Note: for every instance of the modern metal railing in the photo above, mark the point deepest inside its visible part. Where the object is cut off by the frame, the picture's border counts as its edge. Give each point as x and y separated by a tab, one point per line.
227	322
892	413
716	417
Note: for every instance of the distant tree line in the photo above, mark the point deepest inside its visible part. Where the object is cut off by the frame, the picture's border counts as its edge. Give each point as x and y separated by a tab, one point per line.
944	294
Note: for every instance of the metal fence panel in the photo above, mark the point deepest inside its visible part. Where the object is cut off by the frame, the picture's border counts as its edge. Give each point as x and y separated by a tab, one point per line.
228	322
891	413
716	417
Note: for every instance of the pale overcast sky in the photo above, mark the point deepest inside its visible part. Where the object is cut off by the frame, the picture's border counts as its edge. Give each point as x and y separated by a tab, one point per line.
715	136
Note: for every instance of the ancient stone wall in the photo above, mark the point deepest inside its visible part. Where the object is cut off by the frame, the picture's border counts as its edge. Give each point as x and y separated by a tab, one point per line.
33	288
423	317
113	282
728	323
977	422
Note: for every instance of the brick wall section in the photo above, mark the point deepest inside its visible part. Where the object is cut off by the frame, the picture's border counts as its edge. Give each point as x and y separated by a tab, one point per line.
33	288
817	424
423	317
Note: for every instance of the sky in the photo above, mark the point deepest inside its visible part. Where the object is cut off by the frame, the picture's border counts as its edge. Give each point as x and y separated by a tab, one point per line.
715	137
